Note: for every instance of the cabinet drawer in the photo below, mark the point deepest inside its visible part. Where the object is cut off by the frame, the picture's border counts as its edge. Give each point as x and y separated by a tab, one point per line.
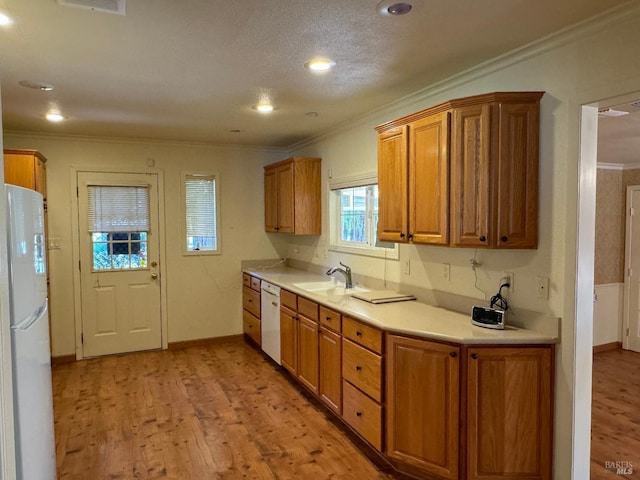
288	299
363	414
255	284
251	301
308	308
330	319
246	280
251	326
362	368
362	334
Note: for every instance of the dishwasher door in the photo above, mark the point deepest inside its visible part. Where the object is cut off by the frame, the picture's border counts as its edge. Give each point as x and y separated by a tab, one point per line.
270	320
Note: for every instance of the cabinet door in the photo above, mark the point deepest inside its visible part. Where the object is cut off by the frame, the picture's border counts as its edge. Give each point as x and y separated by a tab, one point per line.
517	182
270	200
308	353
509	413
423	405
285	198
429	180
330	385
289	340
393	185
251	327
470	177
19	169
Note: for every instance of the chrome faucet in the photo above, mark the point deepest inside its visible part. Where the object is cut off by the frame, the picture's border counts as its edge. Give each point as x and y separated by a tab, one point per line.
346	271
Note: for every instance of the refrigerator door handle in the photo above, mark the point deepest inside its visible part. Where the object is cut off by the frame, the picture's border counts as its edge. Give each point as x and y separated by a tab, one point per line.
33	318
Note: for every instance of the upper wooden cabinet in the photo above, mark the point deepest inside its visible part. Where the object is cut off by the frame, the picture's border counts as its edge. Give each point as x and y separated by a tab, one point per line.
494	173
463	173
26	168
413	181
292	196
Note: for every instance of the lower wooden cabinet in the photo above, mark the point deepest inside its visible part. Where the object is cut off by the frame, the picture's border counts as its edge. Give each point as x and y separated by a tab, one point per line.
509	413
363	414
422	381
330	359
308	353
252	327
289	340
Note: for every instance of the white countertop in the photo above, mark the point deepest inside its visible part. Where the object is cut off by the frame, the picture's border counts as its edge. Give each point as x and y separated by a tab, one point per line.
410	317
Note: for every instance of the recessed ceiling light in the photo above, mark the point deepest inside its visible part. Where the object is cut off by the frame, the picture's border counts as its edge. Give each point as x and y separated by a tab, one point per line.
42	86
320	65
54	117
397	8
263	107
311	114
5	20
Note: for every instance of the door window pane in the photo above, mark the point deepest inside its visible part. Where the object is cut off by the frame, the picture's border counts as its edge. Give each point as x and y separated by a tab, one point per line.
119	251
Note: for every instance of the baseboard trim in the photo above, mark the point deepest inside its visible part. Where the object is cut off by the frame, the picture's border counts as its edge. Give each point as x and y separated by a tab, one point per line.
606	347
203	342
62	359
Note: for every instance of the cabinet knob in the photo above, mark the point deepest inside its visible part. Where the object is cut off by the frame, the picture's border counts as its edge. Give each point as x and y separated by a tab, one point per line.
410	236
249	300
401	235
293	317
358	414
358	368
358	333
328	319
483	238
453	354
504	238
474	356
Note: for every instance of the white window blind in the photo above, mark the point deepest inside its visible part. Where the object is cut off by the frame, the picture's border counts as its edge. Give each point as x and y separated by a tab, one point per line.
201	214
118	208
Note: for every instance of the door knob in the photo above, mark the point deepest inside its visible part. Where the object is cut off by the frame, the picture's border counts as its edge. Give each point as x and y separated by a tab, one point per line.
154	264
154	275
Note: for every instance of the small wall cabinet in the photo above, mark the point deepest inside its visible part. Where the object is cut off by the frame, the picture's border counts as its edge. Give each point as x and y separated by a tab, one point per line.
463	173
292	202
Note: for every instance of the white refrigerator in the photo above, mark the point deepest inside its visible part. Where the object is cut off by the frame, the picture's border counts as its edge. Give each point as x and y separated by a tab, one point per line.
32	393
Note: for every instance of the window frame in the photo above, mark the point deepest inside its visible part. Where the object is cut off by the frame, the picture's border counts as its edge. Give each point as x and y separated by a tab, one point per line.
183	178
335	243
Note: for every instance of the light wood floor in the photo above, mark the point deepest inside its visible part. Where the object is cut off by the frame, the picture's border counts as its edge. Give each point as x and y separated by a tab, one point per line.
615	429
216	412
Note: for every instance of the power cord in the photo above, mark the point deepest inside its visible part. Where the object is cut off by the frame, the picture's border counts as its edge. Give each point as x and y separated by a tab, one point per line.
498	300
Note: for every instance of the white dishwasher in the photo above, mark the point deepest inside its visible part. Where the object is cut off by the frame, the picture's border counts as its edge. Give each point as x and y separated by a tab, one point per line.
270	320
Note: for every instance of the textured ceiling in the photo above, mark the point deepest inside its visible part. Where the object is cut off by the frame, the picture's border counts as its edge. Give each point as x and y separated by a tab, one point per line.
191	70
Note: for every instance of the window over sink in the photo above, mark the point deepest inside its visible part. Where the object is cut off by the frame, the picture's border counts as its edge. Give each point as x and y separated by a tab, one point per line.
353	217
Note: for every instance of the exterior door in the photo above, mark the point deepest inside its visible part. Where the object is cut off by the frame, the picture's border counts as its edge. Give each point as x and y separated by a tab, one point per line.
631	334
119	254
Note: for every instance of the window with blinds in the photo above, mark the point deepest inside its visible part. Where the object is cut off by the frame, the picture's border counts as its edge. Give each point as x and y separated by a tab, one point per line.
118	222
201	212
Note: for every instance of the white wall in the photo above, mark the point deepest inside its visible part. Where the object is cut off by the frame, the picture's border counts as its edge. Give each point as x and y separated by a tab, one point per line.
598	61
607	313
203	293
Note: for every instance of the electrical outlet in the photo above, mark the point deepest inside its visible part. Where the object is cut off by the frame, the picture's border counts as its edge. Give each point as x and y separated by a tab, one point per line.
508	277
446	271
406	266
542	287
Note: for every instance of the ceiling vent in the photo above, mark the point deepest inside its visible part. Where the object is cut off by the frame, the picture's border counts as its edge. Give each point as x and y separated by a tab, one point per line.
107	6
610	112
